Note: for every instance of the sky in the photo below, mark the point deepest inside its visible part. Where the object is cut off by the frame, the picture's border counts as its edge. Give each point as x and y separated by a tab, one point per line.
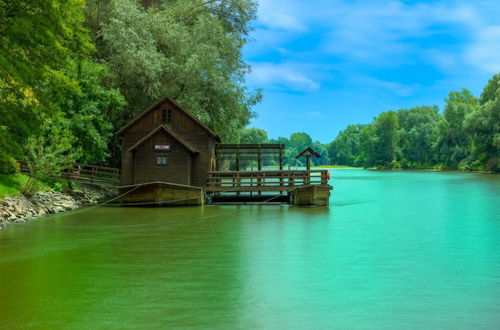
326	64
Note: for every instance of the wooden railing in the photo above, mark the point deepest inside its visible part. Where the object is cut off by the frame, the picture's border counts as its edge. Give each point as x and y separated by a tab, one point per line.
92	174
251	181
87	173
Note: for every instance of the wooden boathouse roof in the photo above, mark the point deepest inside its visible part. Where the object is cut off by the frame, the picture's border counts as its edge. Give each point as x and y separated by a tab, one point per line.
308	152
169	132
122	130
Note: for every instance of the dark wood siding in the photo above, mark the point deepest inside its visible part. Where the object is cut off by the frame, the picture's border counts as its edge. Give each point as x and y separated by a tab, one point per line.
179	161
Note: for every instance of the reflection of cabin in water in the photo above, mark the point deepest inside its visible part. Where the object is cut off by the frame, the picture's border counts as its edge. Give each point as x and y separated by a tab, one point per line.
170	156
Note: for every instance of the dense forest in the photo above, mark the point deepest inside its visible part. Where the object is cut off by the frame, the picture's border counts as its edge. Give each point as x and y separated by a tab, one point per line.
73	71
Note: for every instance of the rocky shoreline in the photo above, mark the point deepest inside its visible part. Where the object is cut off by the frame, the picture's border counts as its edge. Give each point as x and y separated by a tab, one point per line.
16	209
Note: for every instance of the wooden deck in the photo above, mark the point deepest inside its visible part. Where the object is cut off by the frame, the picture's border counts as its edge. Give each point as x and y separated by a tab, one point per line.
263	181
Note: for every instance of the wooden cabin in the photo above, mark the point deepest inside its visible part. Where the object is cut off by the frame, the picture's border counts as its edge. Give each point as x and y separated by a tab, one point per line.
166	143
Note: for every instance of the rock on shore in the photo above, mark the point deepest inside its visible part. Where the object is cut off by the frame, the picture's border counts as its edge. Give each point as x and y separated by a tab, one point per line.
21	208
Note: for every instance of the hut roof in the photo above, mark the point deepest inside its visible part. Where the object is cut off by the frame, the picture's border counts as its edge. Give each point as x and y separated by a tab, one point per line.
158	103
168	131
308	152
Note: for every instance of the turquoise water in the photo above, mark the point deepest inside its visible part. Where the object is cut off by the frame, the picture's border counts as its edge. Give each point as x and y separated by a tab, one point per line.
395	250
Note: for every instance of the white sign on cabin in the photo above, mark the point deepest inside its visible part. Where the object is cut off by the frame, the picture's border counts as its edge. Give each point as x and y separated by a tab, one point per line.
162	147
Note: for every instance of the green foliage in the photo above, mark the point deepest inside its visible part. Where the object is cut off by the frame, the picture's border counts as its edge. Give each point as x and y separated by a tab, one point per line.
49	152
483	124
253	135
91	111
378	140
58	186
416	135
9	165
189	50
346	148
38	37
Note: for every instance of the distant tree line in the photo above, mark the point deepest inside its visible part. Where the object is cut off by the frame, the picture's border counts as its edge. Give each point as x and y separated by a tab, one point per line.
466	136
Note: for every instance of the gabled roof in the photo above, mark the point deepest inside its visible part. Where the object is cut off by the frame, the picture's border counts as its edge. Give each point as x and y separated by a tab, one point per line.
155	105
308	152
169	131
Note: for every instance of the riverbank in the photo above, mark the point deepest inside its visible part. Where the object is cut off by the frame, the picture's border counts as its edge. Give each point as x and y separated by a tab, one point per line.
20	208
428	170
345	167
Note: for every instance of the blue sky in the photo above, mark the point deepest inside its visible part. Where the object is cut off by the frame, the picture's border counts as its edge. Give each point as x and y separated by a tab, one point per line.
325	64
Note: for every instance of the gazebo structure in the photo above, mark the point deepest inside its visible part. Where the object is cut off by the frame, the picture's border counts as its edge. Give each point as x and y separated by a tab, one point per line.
308	153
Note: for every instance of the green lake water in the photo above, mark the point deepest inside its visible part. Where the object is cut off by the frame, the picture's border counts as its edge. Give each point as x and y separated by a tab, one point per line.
395	250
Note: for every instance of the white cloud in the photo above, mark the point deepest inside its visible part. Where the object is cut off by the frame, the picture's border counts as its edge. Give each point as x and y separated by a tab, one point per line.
315	114
389	87
280	15
372	35
484	51
293	76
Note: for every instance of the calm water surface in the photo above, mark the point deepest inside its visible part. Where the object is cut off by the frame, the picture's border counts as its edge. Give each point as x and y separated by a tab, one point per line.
396	250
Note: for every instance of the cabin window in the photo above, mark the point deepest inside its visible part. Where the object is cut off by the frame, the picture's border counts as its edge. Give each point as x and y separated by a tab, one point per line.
161	160
167	116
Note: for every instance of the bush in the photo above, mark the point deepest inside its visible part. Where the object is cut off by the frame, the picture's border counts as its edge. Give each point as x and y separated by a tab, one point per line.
58	187
9	165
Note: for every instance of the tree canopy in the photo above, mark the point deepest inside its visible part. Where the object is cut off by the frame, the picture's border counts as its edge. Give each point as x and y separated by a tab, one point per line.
189	50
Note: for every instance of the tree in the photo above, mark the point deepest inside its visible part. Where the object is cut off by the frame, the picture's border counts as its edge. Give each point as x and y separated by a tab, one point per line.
92	111
38	37
345	149
48	152
484	125
189	50
385	130
416	135
253	136
453	143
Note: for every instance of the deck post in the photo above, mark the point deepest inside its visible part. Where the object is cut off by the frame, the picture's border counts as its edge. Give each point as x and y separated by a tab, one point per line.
238	180
238	159
259	158
281	167
259	167
281	157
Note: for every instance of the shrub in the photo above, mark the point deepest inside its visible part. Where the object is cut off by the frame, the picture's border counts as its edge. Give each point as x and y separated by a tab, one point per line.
9	165
58	187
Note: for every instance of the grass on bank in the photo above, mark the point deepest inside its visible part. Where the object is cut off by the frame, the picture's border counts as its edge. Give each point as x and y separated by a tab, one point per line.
13	184
334	166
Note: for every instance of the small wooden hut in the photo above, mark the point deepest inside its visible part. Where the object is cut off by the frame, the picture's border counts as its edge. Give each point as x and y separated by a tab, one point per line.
166	143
